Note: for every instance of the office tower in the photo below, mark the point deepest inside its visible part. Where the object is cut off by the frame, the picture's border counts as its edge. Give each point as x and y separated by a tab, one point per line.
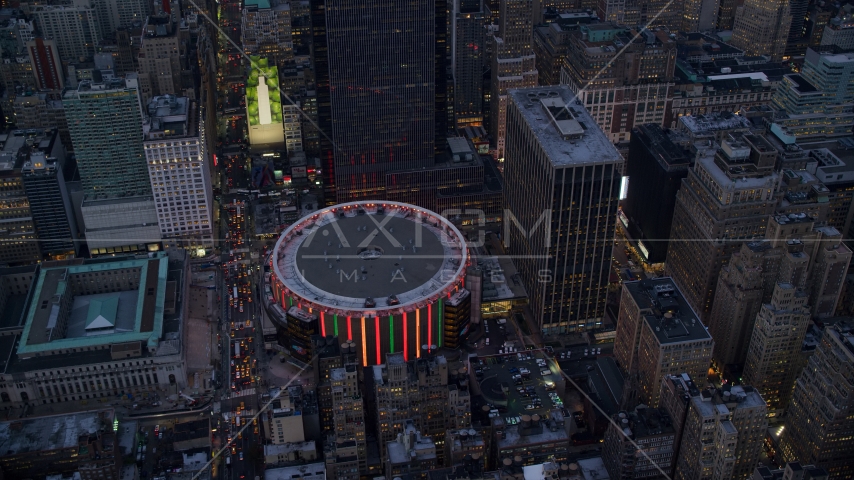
124	60
761	27
561	237
796	40
726	199
775	345
329	355
443	84
792	470
160	59
115	14
469	52
820	415
418	391
676	394
655	168
816	103
50	203
637	87
266	30
348	414
700	15
726	14
739	295
320	60
94	451
380	70
179	169
794	251
105	122
837	31
73	27
513	64
646	13
818	18
639	443
552	41
723	429
658	334
18	240
461	183
44	58
39	110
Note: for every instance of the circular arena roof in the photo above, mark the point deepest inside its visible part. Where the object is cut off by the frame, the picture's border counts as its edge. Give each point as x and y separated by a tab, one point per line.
362	258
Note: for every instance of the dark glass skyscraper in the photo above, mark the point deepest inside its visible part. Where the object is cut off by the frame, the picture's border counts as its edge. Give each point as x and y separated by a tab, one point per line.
655	167
381	72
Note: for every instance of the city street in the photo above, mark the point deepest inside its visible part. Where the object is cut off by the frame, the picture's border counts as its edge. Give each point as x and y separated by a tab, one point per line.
241	339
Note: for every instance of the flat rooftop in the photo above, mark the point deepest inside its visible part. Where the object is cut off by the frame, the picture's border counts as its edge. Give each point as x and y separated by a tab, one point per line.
135	315
673	320
563	127
342	255
311	470
56	432
713	122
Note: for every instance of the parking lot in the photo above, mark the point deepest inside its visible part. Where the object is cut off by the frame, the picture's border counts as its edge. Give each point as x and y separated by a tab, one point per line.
519	383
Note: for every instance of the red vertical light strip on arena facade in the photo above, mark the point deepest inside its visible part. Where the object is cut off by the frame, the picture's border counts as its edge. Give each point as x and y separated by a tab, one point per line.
349	330
405	346
429	324
379	350
322	324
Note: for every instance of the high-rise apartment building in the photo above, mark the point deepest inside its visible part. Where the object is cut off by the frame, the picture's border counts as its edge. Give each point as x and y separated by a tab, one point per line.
637	85
74	28
639	444
726	199
44	58
762	27
467	64
723	429
159	58
562	228
821	415
658	334
656	165
513	64
266	30
376	66
179	169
